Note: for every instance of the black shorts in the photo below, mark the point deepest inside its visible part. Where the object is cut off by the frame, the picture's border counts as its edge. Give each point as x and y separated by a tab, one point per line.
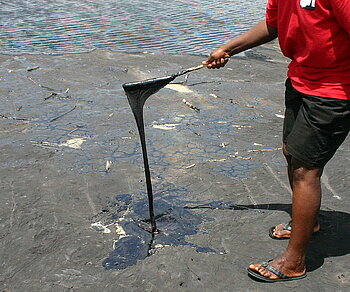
314	127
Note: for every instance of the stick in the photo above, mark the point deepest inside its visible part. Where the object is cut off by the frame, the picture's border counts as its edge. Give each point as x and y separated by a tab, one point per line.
187	70
60	116
190	105
12	118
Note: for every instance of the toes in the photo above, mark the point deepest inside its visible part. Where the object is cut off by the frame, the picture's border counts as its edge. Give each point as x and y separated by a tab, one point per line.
265	273
262	271
255	267
283	233
278	228
280	232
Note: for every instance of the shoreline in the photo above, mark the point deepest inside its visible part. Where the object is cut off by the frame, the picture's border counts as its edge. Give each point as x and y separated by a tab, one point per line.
273	45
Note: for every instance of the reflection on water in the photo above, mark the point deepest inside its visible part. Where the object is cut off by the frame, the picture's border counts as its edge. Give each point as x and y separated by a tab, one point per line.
161	26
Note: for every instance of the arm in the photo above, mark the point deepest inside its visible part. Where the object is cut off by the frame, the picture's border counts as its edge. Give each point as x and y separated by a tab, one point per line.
258	35
341	9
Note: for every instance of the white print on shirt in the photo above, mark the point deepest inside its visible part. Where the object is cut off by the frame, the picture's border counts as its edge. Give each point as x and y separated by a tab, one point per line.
308	4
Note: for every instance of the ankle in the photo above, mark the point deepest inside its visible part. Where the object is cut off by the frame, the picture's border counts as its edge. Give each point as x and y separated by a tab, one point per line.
294	258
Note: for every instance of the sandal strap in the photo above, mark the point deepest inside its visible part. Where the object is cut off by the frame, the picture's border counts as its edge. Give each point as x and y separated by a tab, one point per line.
288	226
273	270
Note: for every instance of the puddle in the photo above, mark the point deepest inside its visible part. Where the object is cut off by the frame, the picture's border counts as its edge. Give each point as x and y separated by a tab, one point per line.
127	216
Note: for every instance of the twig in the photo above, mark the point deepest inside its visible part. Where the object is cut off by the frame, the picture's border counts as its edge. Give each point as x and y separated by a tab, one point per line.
58	95
12	118
14	205
42	86
108	165
60	116
202	82
190	105
264	150
240	157
216	206
54	92
33	68
46	145
190	166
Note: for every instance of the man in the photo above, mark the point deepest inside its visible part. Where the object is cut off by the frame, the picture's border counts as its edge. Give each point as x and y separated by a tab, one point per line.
315	35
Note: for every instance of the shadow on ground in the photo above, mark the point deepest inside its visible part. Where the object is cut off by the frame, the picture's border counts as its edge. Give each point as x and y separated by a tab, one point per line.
332	240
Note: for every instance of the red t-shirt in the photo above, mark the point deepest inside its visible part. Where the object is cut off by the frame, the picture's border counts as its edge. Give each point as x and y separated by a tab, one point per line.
317	40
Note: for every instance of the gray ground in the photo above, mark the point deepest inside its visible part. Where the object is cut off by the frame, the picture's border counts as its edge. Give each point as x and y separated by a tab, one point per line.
63	117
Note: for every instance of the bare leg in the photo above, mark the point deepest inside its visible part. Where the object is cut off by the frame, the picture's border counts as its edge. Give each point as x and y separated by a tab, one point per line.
306	203
279	232
289	165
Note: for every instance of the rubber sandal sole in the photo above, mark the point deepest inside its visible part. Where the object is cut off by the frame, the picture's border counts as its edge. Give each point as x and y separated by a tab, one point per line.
257	276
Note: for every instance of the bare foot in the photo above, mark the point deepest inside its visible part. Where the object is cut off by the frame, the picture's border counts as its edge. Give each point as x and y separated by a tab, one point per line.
281	232
287	267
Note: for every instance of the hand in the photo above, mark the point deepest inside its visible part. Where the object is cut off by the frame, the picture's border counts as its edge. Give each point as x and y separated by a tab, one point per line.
217	59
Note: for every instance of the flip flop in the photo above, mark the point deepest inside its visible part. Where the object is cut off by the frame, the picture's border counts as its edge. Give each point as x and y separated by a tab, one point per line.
281	277
287	226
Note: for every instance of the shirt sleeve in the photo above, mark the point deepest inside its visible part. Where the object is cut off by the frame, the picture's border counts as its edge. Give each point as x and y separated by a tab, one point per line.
341	10
271	12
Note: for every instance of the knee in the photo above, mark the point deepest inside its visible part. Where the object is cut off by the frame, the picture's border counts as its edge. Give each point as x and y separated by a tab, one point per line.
299	172
302	172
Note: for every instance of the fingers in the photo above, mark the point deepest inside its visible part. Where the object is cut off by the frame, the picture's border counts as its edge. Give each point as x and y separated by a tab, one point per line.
215	63
217	59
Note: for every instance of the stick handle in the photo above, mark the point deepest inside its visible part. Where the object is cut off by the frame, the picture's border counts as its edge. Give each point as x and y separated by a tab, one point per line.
188	70
195	68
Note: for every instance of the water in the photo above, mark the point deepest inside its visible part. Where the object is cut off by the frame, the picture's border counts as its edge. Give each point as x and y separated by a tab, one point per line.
160	26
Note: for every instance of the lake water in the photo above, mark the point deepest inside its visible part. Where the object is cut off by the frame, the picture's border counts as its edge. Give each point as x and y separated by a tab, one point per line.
159	26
